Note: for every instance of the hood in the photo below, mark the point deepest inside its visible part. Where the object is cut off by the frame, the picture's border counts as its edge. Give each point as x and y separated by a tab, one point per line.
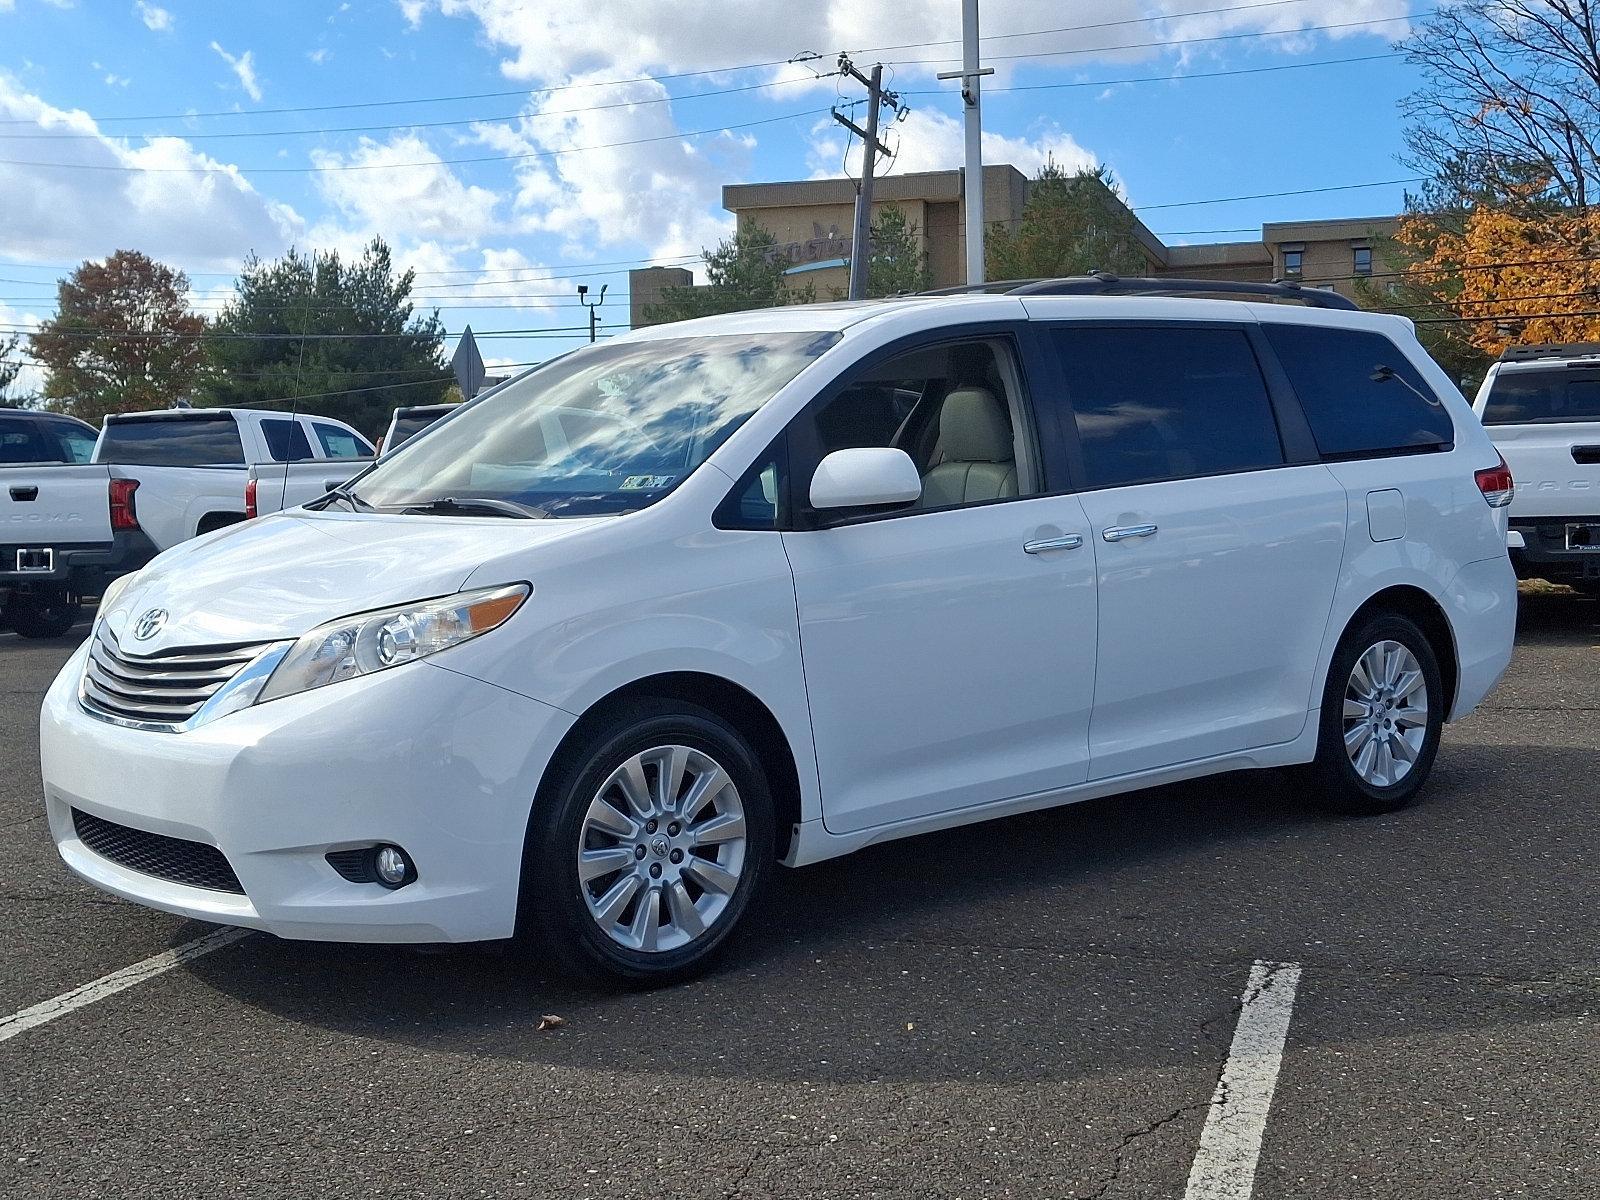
277	577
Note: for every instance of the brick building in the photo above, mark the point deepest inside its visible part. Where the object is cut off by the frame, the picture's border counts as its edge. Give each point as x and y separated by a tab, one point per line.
811	220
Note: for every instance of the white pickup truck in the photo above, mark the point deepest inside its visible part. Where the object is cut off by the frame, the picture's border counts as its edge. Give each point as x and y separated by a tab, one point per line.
194	465
1541	405
66	528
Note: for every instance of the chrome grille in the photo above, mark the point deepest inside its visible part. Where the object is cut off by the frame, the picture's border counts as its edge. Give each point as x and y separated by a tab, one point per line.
158	689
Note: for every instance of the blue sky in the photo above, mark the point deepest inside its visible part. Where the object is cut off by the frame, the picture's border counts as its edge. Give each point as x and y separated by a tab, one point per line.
502	243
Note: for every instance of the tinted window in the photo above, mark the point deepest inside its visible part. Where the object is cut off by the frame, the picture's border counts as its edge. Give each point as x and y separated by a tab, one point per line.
286	440
1530	396
173	442
19	443
1167	403
339	443
75	442
1350	412
409	423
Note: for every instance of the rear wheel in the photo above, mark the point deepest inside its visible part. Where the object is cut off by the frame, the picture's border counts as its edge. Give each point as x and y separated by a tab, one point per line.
43	614
1382	714
644	855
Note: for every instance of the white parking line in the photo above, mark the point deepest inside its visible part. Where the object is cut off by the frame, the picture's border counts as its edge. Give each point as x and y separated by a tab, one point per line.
109	985
1230	1144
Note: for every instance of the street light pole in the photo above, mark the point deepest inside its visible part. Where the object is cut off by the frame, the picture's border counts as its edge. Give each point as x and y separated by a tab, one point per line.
972	98
583	299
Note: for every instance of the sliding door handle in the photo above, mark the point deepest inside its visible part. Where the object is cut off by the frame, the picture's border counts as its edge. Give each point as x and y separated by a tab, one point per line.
1122	533
1069	541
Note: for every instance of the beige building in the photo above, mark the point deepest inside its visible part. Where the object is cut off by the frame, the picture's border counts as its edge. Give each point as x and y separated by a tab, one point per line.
811	221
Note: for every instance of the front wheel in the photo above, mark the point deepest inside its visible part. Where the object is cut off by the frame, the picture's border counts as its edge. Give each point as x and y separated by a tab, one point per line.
646	851
43	614
1382	715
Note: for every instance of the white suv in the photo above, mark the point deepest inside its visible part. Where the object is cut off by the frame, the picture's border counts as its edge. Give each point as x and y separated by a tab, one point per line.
784	584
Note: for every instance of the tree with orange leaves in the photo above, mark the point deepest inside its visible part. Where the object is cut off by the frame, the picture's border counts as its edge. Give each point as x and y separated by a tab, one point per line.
1508	275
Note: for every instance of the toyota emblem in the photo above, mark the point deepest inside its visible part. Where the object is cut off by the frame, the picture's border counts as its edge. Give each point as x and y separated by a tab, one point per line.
149	624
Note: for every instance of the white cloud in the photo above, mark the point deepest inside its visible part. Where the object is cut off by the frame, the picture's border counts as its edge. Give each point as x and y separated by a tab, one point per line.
244	66
320	55
113	196
929	140
635	182
155	17
117	80
418	202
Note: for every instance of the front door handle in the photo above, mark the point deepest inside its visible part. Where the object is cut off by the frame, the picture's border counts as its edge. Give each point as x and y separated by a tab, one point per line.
1070	541
1122	533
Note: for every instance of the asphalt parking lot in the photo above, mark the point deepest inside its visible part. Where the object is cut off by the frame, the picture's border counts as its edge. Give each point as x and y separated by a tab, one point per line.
1035	1007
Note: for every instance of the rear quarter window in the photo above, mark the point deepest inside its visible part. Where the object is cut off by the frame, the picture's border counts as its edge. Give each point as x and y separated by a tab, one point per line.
21	443
173	442
1351	414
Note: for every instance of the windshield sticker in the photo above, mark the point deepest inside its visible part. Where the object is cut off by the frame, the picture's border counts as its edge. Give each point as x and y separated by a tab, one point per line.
639	483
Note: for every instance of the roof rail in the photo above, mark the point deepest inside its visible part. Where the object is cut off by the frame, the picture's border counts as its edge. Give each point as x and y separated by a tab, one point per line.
1100	283
1550	350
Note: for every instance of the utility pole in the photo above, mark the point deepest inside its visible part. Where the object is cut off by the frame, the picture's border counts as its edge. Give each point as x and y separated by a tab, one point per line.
583	299
972	97
871	147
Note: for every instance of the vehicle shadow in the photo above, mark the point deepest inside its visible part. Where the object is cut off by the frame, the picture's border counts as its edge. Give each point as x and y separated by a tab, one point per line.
1102	935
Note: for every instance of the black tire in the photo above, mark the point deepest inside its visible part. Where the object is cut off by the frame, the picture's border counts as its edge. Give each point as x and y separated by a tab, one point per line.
555	918
43	614
1338	785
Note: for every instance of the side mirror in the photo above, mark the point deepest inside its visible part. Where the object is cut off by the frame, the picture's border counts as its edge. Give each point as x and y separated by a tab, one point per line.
863	477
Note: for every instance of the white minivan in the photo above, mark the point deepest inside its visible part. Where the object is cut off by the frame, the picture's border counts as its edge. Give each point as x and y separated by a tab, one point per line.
790	583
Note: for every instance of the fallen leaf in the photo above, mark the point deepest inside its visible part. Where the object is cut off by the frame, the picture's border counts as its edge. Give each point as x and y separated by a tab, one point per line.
550	1021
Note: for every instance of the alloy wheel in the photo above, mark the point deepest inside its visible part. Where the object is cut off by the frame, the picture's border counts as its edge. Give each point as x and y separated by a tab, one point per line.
1385	713
662	849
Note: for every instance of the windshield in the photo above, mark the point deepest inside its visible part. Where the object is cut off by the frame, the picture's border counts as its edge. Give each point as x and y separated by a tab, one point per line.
605	429
1532	397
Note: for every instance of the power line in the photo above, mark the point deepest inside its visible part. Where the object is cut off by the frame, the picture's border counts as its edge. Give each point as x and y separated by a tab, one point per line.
545	331
1178	77
494	120
532	270
1220	37
438	162
1341	187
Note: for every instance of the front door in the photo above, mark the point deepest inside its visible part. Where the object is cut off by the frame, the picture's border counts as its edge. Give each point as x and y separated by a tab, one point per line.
949	647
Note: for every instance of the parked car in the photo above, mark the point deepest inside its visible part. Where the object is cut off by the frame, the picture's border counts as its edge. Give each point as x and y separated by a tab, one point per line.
797	581
192	464
408	422
66	530
1541	405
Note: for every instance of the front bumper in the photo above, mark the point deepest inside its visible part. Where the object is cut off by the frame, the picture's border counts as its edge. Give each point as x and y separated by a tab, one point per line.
422	757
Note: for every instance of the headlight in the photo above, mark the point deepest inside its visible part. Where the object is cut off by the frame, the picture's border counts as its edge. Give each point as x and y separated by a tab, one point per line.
376	641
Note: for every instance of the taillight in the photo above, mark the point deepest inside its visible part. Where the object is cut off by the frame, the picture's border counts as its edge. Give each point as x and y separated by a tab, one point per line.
123	516
1497	485
250	499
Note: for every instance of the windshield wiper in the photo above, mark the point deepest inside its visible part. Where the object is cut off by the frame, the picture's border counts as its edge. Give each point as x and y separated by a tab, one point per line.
355	502
476	504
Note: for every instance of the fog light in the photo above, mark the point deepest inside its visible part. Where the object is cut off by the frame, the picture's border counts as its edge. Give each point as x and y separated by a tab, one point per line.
392	867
